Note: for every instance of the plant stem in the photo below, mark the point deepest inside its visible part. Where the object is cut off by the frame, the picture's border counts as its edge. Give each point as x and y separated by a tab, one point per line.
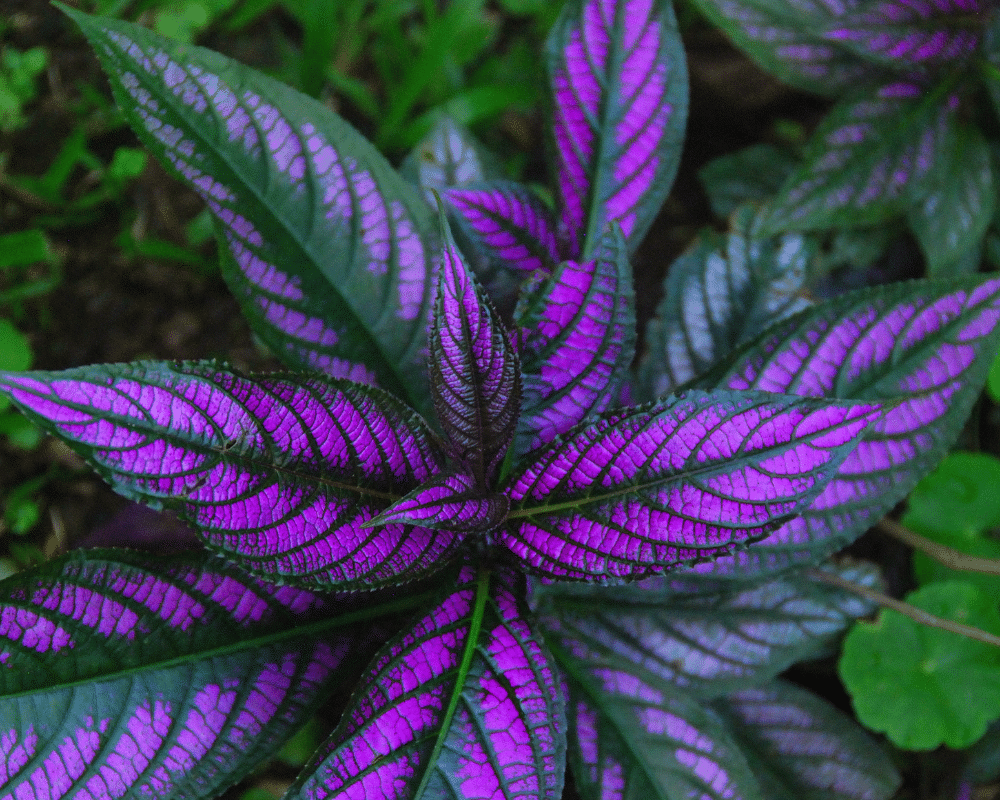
914	613
949	556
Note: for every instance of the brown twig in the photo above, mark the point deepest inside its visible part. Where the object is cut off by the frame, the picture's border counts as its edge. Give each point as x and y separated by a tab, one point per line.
914	613
949	556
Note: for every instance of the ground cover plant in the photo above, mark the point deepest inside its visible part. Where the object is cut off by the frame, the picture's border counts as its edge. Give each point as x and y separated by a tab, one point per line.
489	468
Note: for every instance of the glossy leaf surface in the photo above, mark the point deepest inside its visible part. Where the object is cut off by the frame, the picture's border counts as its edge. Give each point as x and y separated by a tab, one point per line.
869	160
424	724
708	644
278	472
802	748
619	86
449	502
928	344
636	738
696	476
122	676
508	224
720	293
330	253
577	342
475	380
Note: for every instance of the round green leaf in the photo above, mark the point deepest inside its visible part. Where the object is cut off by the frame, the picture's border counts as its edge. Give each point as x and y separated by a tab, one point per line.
924	686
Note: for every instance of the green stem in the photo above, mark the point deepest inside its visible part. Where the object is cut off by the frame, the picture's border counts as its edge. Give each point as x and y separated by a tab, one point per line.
914	613
475	627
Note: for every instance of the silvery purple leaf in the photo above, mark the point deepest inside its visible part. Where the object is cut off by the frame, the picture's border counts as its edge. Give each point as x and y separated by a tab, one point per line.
506	224
786	38
577	342
632	738
475	380
122	676
424	724
689	479
869	160
619	86
923	348
278	472
448	156
707	644
721	292
330	253
802	748
448	502
908	33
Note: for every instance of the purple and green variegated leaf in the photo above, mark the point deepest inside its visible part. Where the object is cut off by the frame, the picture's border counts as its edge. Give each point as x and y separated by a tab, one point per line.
707	644
278	472
723	291
870	159
785	38
329	251
448	502
465	704
802	748
902	34
474	373
577	342
124	676
620	95
506	225
950	222
449	156
630	738
688	479
922	348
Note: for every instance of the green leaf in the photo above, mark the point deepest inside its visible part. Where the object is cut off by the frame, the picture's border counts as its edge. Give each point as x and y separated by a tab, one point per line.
952	218
956	505
923	686
15	352
328	250
868	161
753	174
802	748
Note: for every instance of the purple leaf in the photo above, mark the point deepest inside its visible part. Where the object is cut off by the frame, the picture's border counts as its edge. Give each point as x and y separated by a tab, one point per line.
448	502
125	676
802	748
692	478
720	293
633	738
904	33
474	374
924	347
449	156
507	223
278	472
619	85
869	160
577	342
330	252
505	737
706	643
786	38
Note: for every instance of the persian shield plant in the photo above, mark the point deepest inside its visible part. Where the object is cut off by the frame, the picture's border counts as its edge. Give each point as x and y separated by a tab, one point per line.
479	471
